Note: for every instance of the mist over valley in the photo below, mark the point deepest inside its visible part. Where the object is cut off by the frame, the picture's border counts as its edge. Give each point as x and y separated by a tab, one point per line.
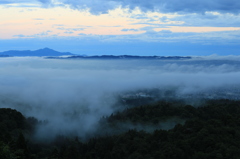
72	95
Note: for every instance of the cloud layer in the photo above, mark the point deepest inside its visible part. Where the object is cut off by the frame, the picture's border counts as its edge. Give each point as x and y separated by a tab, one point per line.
166	6
74	94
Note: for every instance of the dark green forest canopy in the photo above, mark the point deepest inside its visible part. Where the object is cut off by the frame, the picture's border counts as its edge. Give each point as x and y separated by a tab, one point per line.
208	131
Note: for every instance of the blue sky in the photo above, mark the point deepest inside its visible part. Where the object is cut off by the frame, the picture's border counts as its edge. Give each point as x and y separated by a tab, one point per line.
95	27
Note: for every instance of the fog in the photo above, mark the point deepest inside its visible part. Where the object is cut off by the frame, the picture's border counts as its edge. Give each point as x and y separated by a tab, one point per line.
72	95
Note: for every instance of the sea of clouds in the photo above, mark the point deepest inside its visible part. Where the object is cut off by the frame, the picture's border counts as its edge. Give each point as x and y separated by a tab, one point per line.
72	95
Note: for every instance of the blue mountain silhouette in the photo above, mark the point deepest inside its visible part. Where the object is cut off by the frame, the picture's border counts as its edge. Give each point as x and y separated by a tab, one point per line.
40	52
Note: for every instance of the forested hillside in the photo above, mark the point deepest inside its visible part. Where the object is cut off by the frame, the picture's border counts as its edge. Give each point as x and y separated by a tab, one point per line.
211	130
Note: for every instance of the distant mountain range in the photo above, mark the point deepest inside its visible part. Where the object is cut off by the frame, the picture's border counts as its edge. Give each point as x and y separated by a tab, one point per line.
52	54
125	57
40	52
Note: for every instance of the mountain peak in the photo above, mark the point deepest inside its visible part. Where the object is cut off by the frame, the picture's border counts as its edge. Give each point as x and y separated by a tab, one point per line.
46	48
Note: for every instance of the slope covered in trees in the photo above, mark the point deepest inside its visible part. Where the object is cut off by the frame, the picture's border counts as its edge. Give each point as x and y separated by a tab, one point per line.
208	131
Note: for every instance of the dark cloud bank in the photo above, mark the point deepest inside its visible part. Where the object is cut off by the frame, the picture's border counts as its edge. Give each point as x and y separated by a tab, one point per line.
72	95
169	6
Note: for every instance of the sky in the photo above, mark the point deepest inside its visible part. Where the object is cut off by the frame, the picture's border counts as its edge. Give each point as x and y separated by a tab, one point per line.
133	27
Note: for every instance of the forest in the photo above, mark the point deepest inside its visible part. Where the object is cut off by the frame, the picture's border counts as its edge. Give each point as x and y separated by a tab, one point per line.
210	130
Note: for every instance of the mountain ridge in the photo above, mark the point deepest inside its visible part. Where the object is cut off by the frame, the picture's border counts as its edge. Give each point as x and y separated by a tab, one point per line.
53	54
40	52
113	57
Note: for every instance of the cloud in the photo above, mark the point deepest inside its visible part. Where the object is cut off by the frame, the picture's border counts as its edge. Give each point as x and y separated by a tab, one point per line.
20	2
42	34
38	19
68	32
129	30
21	36
45	1
71	29
188	6
29	3
167	6
12	1
94	6
72	95
210	19
165	31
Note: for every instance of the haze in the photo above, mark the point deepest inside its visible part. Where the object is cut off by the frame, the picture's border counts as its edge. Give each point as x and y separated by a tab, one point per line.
72	95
